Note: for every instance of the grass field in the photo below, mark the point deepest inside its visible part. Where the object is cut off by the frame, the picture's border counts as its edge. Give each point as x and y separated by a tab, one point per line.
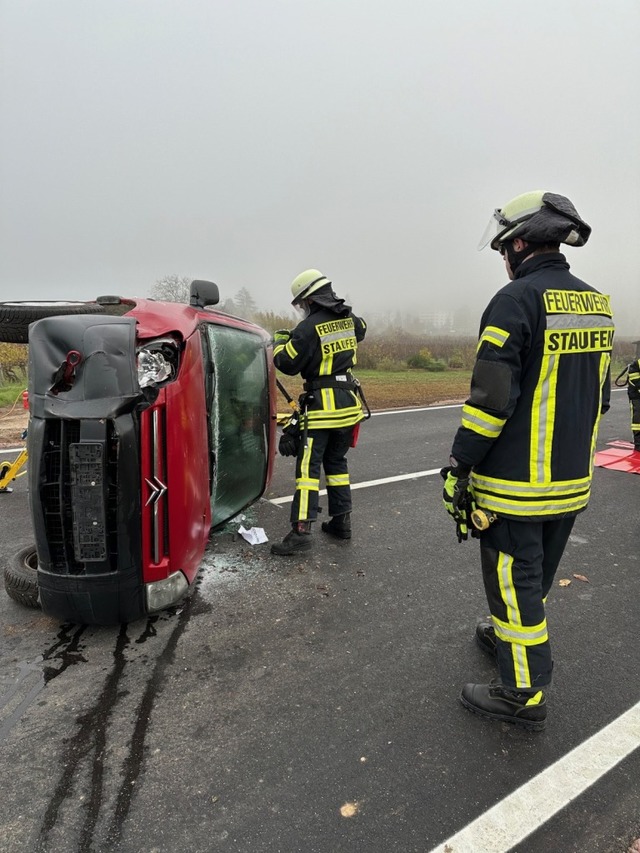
392	390
10	393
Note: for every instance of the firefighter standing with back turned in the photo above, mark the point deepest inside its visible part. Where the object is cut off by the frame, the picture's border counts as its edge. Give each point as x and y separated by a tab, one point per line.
524	450
322	348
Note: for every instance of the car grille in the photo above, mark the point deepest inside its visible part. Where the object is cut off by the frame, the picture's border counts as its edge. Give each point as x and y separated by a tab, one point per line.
78	489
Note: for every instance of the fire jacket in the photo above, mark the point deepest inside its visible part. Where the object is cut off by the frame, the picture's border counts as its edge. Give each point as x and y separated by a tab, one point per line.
323	349
539	385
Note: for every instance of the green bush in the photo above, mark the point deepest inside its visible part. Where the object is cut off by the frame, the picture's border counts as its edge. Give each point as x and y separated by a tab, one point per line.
418	362
423	360
388	365
457	360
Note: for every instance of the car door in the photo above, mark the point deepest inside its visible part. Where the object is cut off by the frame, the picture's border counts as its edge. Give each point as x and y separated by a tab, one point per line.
238	401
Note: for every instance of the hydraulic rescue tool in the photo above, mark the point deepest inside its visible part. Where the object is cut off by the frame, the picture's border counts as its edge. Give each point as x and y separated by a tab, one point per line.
10	470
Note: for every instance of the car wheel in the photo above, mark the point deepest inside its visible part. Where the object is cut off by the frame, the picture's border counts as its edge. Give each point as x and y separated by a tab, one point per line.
16	316
21	577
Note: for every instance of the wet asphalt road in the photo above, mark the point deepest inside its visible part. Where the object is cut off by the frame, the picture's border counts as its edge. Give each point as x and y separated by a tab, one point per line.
284	690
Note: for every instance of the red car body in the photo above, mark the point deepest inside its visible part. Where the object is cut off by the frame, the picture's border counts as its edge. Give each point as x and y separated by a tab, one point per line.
130	468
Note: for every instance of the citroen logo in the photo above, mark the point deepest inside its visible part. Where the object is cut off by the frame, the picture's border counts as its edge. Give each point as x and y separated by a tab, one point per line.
156	490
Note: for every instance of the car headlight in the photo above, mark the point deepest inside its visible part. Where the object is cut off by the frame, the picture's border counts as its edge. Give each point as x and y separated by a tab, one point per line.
157	362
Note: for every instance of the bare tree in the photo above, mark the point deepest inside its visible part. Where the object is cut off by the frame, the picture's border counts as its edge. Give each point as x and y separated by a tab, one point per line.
172	288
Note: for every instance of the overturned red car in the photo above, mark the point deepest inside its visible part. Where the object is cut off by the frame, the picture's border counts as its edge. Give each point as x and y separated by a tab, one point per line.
150	424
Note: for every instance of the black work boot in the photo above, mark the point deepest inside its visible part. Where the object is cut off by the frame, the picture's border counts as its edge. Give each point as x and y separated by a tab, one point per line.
298	539
486	638
339	526
527	710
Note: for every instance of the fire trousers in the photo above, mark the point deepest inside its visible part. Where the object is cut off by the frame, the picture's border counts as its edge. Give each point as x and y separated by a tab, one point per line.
519	563
325	449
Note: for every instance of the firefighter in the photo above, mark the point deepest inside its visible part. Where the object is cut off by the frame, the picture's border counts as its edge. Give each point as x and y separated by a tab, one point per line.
322	349
633	390
523	452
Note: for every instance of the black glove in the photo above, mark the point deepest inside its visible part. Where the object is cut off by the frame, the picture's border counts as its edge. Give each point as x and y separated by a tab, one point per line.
288	444
290	439
457	497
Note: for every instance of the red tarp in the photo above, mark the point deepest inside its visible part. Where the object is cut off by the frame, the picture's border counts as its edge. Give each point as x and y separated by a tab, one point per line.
619	456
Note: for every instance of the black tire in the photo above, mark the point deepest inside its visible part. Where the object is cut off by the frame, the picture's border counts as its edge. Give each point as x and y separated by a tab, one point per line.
16	316
21	577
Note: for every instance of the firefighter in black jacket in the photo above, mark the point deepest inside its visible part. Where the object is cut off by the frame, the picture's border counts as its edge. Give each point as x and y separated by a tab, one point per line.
523	453
633	390
322	348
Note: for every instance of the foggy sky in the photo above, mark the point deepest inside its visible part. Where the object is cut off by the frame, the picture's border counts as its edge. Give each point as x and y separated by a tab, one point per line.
245	140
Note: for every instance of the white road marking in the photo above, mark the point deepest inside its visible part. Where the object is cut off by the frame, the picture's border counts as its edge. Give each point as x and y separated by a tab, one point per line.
421	409
531	805
368	484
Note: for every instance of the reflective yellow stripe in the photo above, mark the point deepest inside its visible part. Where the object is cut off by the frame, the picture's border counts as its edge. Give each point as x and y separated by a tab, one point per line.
277	349
291	351
337	480
493	335
504	570
537	699
328	400
327	357
520	665
550	422
549	507
541	426
529	490
310	485
335	423
605	361
479	421
320	419
526	635
303	509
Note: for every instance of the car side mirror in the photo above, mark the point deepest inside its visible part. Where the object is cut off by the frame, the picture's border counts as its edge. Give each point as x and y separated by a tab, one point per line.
203	293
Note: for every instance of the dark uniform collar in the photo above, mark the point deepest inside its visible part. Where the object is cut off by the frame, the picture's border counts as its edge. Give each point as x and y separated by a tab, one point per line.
546	259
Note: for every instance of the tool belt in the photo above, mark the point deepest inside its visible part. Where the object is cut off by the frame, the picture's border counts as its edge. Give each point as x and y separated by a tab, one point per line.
344	382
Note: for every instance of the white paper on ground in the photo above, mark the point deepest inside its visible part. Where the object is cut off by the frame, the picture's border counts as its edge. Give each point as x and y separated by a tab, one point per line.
254	536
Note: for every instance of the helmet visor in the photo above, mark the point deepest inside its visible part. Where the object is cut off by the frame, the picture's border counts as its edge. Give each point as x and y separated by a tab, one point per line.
497	225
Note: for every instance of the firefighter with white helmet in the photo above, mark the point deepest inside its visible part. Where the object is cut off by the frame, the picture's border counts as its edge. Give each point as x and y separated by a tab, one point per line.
322	349
522	456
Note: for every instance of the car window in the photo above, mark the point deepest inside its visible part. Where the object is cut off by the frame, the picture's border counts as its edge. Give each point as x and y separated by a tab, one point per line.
238	420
